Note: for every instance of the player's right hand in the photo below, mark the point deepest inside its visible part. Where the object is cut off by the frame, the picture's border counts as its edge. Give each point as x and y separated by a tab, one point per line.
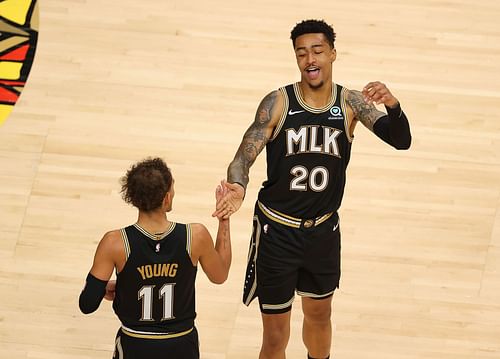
110	290
229	201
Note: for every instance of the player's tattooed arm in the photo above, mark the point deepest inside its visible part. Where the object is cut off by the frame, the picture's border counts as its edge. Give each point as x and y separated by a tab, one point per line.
254	141
365	112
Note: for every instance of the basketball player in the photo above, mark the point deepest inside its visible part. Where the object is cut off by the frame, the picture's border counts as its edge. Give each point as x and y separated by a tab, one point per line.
307	129
156	262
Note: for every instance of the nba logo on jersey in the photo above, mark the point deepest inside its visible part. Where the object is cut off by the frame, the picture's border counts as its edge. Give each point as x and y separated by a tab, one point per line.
157	247
336	113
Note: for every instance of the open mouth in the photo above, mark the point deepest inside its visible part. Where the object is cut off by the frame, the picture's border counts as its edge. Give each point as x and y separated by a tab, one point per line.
312	72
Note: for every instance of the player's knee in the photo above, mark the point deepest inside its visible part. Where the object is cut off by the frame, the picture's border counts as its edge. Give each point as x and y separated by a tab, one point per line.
318	314
275	337
275	340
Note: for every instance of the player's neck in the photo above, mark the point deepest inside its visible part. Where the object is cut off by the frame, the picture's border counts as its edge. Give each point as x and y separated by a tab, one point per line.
154	222
316	97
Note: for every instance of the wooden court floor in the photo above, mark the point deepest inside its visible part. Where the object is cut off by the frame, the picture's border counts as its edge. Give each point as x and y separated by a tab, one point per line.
116	81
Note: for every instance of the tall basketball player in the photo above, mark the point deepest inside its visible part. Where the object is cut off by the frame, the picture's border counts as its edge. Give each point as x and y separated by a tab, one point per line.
307	129
156	262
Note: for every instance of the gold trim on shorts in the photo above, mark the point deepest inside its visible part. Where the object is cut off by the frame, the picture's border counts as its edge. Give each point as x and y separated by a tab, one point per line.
317	296
278	306
292	221
153	335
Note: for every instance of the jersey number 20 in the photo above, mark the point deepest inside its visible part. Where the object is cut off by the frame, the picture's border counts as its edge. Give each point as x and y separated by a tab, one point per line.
316	179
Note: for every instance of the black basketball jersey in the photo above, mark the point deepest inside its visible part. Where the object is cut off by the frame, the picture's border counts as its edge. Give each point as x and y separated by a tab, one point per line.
155	291
307	156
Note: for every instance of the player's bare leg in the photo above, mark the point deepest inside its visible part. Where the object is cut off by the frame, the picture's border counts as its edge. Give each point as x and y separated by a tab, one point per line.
275	335
317	326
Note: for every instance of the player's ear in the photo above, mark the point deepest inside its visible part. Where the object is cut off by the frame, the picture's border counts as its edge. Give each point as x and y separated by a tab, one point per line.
167	200
333	54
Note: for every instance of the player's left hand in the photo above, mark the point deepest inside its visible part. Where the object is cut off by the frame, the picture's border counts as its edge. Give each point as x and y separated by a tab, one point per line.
110	290
378	93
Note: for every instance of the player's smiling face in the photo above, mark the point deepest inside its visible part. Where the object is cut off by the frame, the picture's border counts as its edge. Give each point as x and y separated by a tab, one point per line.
314	57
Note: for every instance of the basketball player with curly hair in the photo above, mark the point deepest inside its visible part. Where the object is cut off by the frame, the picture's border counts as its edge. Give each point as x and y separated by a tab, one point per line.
155	260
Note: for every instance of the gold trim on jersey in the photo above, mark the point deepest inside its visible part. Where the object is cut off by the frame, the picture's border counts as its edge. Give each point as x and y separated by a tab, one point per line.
302	102
343	104
278	306
118	349
126	244
156	237
286	103
153	335
312	295
251	293
188	239
289	220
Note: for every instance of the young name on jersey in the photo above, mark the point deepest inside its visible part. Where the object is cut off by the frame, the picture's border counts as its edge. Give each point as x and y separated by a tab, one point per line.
158	270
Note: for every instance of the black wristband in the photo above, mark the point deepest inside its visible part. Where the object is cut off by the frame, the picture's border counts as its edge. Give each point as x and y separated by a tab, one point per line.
92	294
394	128
241	184
394	112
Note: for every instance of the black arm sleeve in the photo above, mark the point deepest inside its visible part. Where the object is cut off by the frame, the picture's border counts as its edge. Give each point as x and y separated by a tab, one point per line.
92	294
394	128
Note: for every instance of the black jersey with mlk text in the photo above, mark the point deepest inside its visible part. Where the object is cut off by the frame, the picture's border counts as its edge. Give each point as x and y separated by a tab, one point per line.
155	291
307	156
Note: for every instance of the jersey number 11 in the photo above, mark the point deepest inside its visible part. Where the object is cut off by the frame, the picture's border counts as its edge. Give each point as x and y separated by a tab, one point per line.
166	294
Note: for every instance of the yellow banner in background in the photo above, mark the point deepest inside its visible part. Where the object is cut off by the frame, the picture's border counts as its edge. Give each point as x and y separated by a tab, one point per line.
15	10
18	39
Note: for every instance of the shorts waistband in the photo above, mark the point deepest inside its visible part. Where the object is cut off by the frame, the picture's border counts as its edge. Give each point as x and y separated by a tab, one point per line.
153	335
293	221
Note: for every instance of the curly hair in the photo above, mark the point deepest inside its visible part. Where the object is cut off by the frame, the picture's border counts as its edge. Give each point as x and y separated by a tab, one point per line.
146	184
314	27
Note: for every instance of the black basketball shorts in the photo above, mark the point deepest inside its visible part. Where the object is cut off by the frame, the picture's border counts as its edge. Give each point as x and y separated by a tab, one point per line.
289	255
142	346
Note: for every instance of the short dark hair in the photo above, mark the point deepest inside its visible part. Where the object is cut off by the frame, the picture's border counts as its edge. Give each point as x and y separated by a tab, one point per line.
314	27
146	184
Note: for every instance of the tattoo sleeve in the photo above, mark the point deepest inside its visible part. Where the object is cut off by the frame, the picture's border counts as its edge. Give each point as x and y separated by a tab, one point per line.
254	141
366	113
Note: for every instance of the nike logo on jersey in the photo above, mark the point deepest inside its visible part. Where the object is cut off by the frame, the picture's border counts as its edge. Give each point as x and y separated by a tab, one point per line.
291	113
336	226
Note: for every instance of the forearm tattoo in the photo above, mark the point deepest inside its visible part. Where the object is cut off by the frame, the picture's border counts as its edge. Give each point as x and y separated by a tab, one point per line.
367	113
254	141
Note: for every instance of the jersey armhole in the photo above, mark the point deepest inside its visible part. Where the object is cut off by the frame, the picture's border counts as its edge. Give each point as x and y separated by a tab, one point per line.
278	127
126	247
347	122
189	236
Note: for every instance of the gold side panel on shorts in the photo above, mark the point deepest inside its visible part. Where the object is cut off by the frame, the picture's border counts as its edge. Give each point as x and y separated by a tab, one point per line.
249	298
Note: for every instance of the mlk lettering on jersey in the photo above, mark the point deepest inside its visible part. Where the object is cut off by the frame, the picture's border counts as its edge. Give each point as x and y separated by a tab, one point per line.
307	140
